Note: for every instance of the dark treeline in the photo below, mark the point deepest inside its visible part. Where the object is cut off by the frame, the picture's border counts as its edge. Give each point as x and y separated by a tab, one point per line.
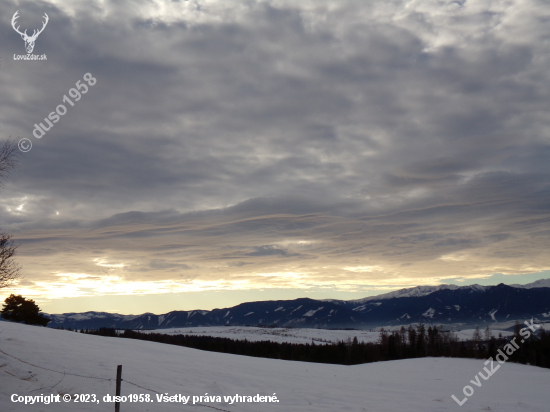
404	344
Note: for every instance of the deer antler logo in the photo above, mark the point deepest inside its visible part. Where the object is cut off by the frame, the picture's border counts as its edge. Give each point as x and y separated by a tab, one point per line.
29	40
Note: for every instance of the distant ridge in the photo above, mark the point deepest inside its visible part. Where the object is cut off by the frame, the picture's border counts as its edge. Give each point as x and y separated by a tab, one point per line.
541	283
443	304
418	291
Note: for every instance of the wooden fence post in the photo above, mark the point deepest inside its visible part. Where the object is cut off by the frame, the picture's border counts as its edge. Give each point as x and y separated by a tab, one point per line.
118	379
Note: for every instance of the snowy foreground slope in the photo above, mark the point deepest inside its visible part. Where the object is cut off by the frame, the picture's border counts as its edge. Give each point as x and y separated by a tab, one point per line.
416	385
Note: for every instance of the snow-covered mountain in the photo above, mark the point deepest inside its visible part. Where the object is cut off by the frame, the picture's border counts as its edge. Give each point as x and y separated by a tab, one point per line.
445	304
426	290
410	292
541	283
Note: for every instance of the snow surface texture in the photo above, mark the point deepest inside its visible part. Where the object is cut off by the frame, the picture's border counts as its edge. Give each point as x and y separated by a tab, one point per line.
412	385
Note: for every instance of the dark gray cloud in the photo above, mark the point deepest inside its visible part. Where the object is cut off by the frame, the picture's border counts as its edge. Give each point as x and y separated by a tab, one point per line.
345	142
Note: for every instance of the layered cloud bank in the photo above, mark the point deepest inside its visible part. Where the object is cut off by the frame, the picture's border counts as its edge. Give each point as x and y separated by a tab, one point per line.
241	145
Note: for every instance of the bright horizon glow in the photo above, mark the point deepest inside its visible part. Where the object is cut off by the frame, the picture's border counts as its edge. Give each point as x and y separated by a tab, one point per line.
167	300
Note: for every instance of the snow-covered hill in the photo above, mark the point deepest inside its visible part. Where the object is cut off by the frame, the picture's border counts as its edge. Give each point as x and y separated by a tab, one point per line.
414	385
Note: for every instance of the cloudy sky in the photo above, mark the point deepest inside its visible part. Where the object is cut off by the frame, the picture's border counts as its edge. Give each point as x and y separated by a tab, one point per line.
246	150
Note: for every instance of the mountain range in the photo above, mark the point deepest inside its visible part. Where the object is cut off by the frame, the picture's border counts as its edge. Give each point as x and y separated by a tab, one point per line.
459	306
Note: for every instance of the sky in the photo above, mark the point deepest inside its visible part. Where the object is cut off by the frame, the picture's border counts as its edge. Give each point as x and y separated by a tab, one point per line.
231	151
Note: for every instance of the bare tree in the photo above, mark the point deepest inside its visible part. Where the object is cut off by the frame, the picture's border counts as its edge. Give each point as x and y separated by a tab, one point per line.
9	269
8	159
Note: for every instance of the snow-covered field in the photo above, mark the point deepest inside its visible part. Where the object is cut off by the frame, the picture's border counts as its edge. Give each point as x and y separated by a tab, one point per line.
414	385
294	335
289	335
467	334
